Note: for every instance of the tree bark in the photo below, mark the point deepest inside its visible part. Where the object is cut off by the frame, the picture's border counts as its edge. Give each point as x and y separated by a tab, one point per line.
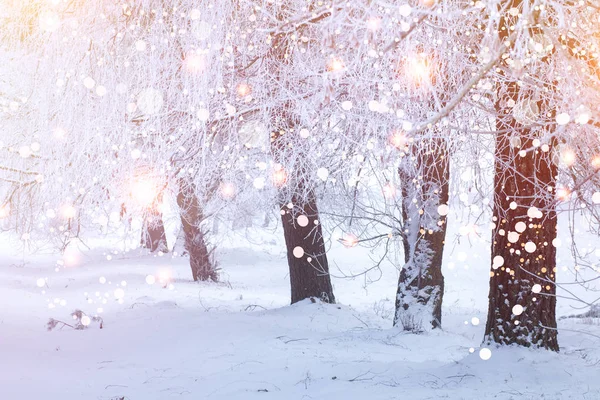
421	283
306	254
190	211
524	215
154	236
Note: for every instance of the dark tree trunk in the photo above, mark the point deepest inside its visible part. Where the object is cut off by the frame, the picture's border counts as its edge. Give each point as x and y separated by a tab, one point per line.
523	256
195	242
153	232
421	283
307	260
153	236
306	254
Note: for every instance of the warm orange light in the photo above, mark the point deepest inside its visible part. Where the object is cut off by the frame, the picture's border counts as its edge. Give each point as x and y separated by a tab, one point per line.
563	194
595	162
568	157
244	90
349	240
279	176
418	69
398	140
335	65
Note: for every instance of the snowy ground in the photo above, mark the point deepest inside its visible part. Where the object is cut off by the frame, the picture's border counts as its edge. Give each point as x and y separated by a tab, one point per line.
240	339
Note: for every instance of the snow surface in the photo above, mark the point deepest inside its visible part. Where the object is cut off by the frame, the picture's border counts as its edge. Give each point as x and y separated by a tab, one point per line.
239	339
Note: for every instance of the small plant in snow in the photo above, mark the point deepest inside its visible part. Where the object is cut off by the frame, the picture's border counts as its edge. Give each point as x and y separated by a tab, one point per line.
384	309
411	323
593	312
81	321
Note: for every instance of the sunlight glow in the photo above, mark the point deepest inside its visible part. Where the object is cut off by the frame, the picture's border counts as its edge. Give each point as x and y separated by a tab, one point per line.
165	277
71	257
563	194
398	140
373	24
69	212
279	176
349	240
418	69
194	63
49	21
335	65
568	157
227	190
144	192
243	89
595	162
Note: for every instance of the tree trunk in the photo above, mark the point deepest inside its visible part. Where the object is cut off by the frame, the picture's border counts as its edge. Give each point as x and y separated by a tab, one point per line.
307	259
522	302
154	236
195	243
421	283
306	254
